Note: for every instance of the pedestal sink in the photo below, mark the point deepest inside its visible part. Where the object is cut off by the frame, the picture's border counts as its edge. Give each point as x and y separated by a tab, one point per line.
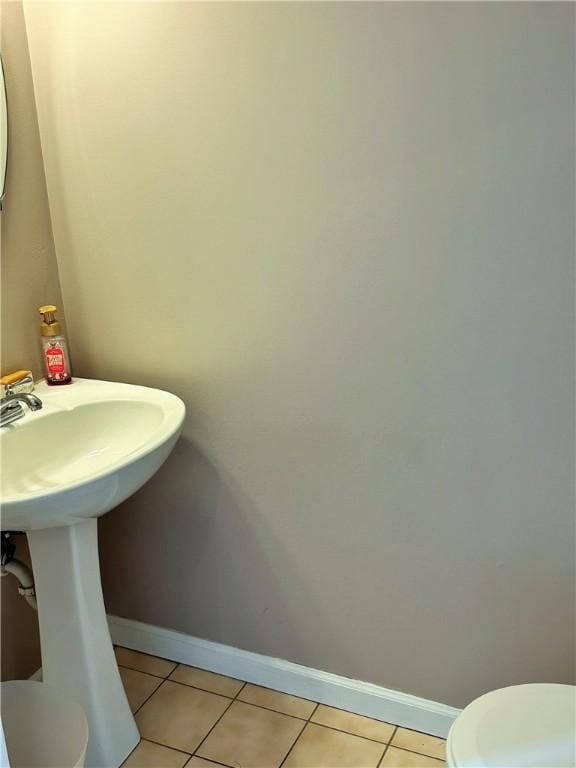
90	447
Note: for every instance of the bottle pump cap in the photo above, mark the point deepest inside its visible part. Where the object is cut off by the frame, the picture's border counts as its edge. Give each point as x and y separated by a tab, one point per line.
49	325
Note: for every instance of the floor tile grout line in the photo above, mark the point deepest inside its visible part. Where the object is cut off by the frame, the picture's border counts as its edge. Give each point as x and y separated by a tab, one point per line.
216	762
296	740
204	690
275	690
166	746
234	679
385	745
149	655
278	711
317	704
413	752
226	765
294	717
349	733
170	679
201	669
311	715
244	684
210	760
366	717
388	745
133	669
268	709
139	707
271	709
181	664
217	721
199	746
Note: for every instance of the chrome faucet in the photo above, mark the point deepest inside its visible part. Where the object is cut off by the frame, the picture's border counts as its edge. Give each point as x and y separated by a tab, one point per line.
11	406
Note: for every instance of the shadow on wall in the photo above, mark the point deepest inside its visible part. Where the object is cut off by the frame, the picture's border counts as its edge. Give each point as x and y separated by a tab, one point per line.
20	637
198	516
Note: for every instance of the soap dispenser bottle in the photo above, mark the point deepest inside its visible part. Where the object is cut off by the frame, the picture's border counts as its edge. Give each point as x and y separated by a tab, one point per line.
54	348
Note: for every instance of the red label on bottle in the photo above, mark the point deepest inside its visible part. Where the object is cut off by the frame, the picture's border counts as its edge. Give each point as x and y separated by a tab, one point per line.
55	359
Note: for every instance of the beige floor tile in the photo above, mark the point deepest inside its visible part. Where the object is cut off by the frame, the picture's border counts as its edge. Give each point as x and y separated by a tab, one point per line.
153	665
199	762
138	686
209	681
356	724
179	716
281	702
250	737
320	747
148	755
400	758
420	742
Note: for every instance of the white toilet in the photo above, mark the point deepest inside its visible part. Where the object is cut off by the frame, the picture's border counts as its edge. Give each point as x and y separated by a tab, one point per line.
524	726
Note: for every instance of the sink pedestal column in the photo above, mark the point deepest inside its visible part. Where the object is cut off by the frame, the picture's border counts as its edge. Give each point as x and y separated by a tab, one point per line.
77	653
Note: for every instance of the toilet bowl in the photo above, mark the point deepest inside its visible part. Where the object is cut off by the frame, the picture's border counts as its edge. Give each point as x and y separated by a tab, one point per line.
523	726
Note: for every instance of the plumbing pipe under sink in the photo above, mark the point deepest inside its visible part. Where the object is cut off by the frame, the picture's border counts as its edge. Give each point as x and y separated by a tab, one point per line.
25	580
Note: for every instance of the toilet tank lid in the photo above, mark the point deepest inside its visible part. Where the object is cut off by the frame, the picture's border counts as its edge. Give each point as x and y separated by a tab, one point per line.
523	726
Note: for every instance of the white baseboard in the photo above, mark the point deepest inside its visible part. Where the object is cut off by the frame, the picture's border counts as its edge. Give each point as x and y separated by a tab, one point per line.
333	690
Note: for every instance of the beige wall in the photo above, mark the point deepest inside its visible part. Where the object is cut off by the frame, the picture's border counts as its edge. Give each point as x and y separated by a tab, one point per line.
29	278
28	263
343	233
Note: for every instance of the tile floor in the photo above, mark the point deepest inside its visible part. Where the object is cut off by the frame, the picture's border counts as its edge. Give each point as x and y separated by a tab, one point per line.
189	717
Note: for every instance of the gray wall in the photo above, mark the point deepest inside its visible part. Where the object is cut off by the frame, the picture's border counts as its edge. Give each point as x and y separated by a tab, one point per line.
344	234
29	278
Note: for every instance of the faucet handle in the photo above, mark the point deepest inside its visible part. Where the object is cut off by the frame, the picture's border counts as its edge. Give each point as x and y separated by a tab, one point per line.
16	383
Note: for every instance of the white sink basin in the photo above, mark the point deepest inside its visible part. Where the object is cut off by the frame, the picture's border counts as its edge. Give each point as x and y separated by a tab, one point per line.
91	446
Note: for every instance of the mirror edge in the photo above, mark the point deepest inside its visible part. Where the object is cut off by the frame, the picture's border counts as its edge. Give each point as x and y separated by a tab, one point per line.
3	132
